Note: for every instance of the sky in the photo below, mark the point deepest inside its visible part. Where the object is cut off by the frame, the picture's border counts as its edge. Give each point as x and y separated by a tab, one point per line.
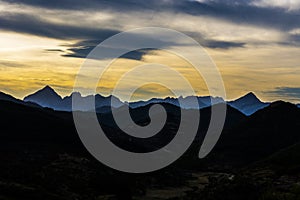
254	43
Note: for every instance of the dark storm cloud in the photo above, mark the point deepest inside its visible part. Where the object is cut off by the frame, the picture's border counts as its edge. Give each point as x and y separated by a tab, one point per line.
34	25
83	48
214	44
89	4
133	55
239	12
243	11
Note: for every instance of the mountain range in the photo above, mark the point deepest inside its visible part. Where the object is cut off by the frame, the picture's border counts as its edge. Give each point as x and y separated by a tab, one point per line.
6	97
245	138
256	155
48	97
248	104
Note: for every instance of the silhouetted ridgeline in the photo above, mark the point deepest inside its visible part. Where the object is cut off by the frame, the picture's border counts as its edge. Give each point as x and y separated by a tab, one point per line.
47	97
257	156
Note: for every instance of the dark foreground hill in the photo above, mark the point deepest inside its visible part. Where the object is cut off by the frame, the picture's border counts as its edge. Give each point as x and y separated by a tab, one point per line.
260	135
42	157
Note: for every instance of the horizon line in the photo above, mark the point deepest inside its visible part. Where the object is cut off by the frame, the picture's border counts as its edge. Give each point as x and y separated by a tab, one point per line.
145	100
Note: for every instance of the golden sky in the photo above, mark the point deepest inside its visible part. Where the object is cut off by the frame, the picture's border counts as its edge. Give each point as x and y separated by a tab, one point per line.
46	45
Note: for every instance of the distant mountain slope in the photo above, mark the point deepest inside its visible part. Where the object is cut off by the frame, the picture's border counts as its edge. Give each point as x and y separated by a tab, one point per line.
45	145
244	139
248	104
140	116
285	159
203	102
45	97
7	97
267	131
42	125
22	123
101	102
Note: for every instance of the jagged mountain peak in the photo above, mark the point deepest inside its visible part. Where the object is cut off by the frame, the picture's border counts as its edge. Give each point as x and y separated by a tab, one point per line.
47	87
250	94
249	97
46	91
248	104
46	97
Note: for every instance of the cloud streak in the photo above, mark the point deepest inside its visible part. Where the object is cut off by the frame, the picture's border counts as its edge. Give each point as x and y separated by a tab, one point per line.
83	48
30	24
293	93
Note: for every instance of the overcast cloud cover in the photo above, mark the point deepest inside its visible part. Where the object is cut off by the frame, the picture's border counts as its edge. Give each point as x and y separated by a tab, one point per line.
95	20
257	38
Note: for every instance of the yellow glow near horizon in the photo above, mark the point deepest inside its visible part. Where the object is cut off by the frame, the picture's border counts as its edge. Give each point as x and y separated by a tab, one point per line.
26	66
121	66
